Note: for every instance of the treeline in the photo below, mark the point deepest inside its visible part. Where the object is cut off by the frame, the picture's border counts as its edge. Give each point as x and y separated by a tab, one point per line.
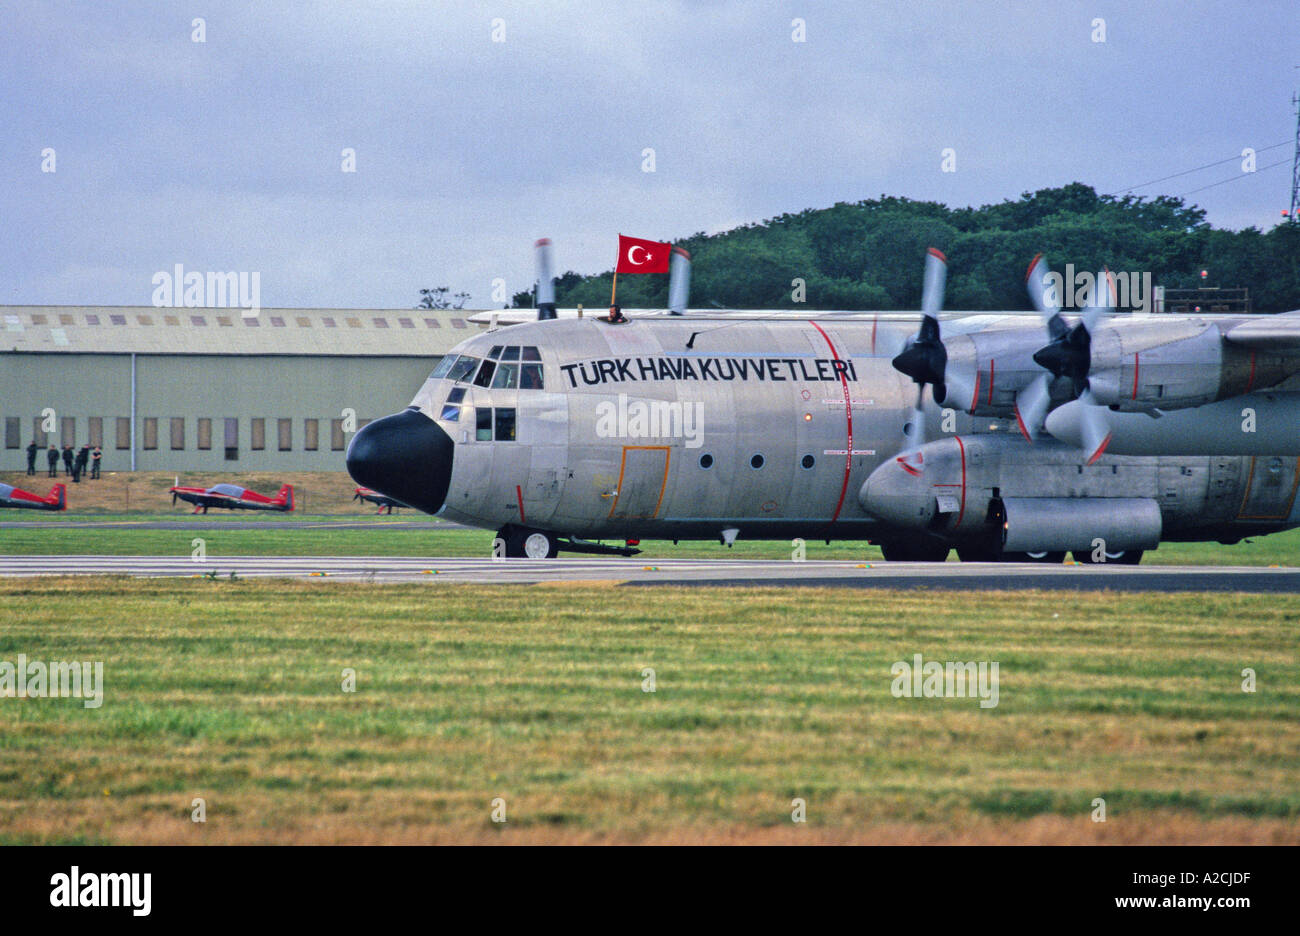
869	254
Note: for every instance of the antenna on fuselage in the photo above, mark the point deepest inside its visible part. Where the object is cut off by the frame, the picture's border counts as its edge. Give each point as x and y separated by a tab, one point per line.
545	281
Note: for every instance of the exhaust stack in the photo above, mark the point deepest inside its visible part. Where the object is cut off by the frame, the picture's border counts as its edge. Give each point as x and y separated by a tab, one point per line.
679	281
545	281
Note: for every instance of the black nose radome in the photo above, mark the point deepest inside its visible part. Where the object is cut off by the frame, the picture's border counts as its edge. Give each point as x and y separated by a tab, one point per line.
406	456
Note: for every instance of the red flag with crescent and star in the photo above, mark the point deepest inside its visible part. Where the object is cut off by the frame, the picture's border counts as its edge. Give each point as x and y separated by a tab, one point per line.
642	256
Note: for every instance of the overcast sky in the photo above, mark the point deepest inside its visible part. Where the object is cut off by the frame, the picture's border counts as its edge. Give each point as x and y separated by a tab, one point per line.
227	154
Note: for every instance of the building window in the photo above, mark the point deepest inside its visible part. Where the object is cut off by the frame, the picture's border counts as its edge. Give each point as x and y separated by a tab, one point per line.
432	323
252	321
404	322
150	432
336	435
353	322
328	322
310	434
68	430
303	321
38	319
198	320
96	431
284	428
38	434
13	432
232	438
178	433
277	321
457	323
224	321
380	322
123	432
144	319
116	319
91	319
172	319
259	434
205	433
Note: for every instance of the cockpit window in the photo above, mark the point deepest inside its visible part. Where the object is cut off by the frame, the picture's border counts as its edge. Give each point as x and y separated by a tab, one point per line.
531	354
530	377
484	378
512	353
463	368
443	367
495	353
507	377
451	409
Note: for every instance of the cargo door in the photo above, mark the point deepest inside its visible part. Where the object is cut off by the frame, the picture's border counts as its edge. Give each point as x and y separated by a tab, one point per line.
641	482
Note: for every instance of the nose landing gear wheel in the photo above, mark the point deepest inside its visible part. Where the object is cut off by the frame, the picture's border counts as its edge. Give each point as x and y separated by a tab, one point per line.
529	544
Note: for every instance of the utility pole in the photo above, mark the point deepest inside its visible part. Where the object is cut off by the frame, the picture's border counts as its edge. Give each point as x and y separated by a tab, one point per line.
1294	217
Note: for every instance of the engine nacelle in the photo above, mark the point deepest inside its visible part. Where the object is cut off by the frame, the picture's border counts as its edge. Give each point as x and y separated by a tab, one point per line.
964	484
1048	524
1176	363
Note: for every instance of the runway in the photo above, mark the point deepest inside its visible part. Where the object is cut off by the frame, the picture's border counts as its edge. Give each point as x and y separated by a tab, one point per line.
952	576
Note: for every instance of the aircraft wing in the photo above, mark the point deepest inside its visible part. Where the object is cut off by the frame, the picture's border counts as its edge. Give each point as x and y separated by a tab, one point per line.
1268	333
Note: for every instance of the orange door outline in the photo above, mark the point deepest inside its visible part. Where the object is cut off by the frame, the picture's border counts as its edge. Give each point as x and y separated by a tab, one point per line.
1250	480
663	484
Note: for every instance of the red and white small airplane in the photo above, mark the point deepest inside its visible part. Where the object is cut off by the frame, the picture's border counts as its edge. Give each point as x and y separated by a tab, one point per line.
233	497
11	496
383	500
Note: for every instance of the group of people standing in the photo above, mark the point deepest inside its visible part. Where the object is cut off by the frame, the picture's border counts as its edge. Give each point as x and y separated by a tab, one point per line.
74	462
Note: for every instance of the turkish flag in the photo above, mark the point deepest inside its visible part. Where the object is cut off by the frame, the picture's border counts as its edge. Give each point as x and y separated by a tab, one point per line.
642	256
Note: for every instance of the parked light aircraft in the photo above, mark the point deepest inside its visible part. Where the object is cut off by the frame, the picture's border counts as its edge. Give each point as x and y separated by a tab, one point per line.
11	496
1004	436
233	497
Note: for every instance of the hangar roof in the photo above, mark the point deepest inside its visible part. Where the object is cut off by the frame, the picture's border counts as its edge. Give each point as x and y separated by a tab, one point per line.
149	330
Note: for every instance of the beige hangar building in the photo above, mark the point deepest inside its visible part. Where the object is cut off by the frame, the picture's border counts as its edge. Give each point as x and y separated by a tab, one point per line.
203	389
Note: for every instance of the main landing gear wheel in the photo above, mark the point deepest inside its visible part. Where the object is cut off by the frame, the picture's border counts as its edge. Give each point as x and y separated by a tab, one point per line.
978	554
1050	558
529	544
914	552
1123	557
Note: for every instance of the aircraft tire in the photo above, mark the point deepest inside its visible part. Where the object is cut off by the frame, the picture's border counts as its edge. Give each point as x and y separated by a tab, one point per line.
1123	557
978	554
914	552
529	544
1048	558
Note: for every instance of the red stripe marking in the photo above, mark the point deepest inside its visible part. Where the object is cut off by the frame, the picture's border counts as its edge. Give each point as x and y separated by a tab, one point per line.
937	253
1136	368
975	399
991	363
1097	454
520	495
962	512
1021	423
1250	384
848	416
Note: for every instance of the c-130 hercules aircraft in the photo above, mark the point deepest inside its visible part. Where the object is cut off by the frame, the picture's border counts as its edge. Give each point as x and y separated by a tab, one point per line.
1093	433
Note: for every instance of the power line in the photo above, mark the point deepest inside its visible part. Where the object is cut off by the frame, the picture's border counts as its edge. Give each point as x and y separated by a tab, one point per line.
1190	171
1235	178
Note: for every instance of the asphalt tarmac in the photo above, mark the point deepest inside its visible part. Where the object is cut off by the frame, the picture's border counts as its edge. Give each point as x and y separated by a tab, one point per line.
950	576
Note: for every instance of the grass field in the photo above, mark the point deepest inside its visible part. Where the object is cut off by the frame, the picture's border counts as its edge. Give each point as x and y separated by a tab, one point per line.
232	692
385	538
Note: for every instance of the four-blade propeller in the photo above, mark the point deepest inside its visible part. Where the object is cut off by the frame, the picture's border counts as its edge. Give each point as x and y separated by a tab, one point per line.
1067	354
924	358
